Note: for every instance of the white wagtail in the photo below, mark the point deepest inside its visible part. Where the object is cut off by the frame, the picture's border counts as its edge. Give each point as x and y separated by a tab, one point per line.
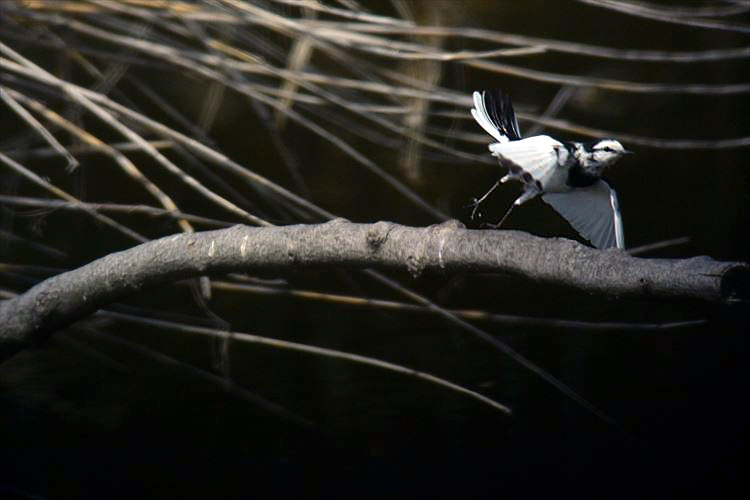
566	174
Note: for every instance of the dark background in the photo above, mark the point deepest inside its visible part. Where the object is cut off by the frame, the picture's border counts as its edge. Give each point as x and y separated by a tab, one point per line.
86	418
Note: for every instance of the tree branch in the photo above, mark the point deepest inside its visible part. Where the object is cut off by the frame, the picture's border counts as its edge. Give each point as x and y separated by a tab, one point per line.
448	247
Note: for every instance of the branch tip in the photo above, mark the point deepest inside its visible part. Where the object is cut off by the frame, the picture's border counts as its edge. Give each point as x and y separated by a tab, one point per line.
735	284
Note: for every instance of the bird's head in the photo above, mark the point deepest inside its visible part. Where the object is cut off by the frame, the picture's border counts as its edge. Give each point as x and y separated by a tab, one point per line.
606	152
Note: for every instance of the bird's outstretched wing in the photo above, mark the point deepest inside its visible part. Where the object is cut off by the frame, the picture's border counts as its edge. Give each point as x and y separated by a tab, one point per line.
593	211
493	111
536	156
529	160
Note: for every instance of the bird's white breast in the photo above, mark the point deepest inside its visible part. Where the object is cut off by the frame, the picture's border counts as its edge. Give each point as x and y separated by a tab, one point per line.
555	181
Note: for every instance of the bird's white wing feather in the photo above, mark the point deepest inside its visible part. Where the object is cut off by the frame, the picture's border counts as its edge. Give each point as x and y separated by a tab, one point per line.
536	155
479	112
593	212
619	231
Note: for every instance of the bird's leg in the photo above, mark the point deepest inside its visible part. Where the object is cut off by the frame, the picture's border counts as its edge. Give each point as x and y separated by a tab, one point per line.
497	226
527	195
476	202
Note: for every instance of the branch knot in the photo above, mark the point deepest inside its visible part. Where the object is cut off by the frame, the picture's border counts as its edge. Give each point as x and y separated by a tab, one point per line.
377	234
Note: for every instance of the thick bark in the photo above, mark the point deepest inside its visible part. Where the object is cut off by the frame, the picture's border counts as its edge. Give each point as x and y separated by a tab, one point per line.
447	247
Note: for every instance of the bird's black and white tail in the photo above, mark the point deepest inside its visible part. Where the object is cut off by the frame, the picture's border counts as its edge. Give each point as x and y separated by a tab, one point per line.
493	110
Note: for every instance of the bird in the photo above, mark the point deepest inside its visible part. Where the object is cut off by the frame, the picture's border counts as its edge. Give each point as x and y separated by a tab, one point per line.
566	174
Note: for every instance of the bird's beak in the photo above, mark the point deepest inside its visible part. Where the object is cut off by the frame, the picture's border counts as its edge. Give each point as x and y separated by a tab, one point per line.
626	152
